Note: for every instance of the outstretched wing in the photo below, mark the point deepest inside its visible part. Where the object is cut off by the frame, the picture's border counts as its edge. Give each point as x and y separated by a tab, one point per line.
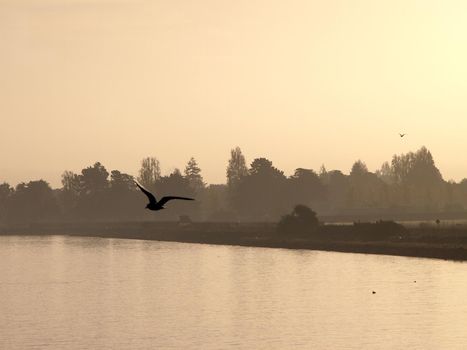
168	198
151	197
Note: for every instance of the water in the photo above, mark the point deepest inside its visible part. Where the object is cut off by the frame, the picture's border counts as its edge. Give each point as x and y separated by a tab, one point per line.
59	292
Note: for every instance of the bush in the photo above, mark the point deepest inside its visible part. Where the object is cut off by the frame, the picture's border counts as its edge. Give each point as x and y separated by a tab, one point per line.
301	221
363	231
379	230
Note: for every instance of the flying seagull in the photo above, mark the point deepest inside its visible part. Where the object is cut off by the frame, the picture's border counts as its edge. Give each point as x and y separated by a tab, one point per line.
154	204
401	135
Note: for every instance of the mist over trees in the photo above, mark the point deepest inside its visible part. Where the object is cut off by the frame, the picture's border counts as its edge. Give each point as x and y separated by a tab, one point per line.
408	184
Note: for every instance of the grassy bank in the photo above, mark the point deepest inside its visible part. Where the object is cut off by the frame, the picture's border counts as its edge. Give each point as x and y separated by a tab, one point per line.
441	242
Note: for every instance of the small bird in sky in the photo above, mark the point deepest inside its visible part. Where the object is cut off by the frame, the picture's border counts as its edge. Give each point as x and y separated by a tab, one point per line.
401	135
158	205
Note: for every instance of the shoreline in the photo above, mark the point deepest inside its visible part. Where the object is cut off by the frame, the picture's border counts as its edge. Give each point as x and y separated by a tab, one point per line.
416	250
446	243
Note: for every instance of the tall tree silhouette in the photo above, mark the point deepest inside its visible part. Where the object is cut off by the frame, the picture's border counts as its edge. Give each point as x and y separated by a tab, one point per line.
426	181
262	194
386	174
193	175
69	195
94	178
416	181
357	191
322	172
366	189
359	168
123	201
94	191
150	172
237	169
71	182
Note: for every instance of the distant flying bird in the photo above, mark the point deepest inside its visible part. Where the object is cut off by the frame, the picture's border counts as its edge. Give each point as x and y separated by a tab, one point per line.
401	135
154	204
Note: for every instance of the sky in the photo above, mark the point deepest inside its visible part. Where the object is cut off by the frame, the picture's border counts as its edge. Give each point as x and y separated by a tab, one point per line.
300	82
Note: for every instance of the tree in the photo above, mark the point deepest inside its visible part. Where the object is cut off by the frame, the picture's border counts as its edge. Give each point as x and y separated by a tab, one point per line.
193	175
263	167
426	181
214	204
150	172
366	189
34	201
386	174
357	191
123	201
261	195
359	168
322	172
461	192
337	187
302	221
417	182
71	182
70	192
423	169
5	193
94	178
175	184
305	187
93	195
237	169
121	181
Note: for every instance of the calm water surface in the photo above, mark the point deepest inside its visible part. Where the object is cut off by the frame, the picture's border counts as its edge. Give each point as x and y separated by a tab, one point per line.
59	292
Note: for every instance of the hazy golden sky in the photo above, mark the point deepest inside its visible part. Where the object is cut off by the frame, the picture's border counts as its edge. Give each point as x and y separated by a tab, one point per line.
300	82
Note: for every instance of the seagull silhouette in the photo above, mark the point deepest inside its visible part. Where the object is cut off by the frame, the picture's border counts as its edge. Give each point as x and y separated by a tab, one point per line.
401	135
154	204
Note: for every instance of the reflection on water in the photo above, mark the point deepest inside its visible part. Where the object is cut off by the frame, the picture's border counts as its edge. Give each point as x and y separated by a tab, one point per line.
60	292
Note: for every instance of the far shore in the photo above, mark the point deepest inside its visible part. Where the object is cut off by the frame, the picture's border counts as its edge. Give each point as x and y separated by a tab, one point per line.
427	241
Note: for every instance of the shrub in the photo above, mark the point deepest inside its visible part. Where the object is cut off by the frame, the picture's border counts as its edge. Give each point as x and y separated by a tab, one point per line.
301	221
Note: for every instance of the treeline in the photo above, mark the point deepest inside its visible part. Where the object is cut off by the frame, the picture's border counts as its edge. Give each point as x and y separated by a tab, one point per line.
409	183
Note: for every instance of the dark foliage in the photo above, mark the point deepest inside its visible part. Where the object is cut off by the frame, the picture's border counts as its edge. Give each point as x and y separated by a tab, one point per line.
363	231
32	202
408	186
261	194
302	221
